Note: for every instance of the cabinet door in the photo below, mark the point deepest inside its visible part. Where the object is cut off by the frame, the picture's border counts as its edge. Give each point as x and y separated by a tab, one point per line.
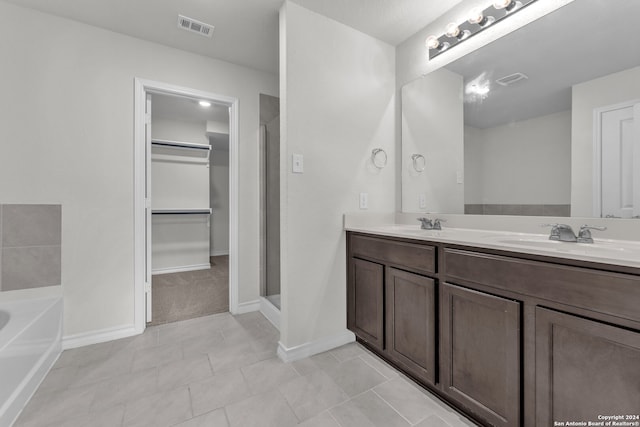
410	322
481	353
365	313
584	369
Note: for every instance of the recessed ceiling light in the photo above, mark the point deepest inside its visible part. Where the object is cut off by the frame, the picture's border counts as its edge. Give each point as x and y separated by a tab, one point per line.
205	104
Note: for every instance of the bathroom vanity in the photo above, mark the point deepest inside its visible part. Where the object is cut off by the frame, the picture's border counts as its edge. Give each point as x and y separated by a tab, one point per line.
508	328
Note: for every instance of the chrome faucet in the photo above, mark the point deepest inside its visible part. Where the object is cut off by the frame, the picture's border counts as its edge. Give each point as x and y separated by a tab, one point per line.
584	235
561	232
428	224
564	233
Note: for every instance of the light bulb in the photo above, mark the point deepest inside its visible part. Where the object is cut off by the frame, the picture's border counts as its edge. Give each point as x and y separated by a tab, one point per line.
476	16
501	4
452	30
432	42
205	104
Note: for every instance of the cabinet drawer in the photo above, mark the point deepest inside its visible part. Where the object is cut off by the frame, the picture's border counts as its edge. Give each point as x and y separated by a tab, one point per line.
595	290
407	255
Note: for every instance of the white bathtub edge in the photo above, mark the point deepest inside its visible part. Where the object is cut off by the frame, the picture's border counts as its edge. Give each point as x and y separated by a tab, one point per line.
21	396
99	336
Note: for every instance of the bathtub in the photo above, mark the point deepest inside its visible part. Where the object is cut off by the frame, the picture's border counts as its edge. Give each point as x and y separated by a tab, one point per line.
30	343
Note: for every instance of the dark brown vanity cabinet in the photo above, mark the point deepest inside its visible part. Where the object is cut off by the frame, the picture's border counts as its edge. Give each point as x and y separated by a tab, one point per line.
393	309
584	369
365	316
510	339
410	322
480	339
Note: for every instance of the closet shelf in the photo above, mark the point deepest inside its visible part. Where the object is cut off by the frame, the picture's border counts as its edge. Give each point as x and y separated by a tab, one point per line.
180	144
181	212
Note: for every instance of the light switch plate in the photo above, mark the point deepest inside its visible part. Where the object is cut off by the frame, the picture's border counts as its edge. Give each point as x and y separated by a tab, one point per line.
459	177
297	163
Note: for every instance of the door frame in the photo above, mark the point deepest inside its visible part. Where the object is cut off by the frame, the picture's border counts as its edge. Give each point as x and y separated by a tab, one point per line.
597	149
142	87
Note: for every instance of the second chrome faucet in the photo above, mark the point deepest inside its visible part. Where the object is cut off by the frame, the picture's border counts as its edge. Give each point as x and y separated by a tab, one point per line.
564	233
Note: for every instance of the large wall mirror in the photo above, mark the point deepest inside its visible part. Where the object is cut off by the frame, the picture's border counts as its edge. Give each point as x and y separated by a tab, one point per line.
543	121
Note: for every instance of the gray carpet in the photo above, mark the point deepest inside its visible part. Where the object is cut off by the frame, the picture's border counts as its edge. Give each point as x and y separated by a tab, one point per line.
181	296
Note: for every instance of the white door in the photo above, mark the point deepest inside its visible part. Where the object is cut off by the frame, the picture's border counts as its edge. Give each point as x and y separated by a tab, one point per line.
619	161
147	208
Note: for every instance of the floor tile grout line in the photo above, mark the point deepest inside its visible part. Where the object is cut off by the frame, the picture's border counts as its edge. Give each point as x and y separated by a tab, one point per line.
377	370
392	407
287	402
334	418
226	415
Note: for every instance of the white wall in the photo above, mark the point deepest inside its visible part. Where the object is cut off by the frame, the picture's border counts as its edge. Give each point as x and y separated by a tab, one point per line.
432	125
66	122
608	90
525	162
473	165
337	104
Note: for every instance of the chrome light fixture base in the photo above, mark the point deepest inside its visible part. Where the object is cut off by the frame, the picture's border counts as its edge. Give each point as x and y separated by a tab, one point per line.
490	16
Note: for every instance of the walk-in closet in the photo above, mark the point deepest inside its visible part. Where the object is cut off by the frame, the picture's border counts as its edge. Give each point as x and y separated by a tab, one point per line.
190	208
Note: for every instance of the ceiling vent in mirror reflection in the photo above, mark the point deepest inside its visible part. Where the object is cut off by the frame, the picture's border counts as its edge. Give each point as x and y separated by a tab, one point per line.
511	79
194	26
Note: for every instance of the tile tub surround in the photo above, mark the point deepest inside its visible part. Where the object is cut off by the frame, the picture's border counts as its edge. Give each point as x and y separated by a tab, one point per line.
30	246
222	370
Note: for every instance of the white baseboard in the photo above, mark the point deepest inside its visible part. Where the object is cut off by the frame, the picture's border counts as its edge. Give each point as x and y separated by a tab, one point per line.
314	347
220	252
247	307
181	269
270	311
95	337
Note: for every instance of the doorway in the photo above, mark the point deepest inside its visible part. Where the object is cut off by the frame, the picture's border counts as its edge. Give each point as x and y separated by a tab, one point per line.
190	213
189	208
617	161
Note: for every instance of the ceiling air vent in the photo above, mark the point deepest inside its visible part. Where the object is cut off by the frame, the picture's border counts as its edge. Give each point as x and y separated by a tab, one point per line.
511	79
194	26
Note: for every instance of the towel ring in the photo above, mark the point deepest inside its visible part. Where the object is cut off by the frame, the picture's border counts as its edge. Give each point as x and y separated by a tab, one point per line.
418	165
379	158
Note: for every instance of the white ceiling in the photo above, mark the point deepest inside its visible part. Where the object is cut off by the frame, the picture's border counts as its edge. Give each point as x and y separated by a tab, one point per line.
246	31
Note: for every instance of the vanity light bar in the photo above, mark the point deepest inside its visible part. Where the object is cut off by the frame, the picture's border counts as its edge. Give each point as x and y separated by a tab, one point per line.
477	21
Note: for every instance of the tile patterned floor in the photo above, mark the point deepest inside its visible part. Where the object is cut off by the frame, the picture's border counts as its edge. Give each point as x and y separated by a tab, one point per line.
222	370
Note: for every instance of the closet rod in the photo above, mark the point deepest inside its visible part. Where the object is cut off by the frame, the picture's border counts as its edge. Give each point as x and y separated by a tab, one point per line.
182	212
180	144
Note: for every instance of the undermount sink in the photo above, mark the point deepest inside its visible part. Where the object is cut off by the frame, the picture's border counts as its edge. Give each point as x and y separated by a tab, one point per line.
603	247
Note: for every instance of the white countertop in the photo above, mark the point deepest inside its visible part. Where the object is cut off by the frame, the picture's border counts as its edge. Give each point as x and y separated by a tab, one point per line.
606	251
